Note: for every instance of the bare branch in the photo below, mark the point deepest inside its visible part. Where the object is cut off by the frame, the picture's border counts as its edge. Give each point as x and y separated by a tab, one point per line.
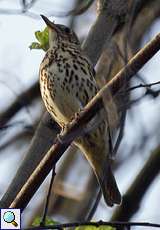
116	224
143	86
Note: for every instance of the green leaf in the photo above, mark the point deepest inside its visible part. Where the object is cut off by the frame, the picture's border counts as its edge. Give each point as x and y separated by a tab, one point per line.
90	227
35	45
43	40
48	221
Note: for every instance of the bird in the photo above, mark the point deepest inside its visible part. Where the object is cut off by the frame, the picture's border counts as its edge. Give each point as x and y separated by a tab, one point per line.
67	84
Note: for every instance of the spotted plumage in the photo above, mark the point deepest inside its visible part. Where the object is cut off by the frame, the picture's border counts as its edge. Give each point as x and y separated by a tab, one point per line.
67	84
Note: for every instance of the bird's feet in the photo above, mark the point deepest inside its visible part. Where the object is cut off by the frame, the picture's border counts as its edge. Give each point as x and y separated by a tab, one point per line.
64	128
59	138
76	115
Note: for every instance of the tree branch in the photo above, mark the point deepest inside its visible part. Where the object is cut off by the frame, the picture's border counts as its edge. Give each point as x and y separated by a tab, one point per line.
149	85
115	224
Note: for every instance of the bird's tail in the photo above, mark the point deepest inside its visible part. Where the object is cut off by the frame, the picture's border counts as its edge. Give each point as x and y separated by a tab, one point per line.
109	186
102	169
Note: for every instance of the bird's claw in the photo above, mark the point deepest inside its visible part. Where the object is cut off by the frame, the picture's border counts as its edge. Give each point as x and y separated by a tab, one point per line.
59	138
76	116
64	128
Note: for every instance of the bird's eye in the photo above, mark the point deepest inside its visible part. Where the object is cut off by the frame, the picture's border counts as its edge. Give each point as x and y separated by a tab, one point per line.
67	30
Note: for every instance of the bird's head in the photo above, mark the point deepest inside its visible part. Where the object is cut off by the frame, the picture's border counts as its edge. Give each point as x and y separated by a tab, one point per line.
60	33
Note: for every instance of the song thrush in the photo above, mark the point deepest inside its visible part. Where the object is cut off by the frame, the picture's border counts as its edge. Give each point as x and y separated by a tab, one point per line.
67	84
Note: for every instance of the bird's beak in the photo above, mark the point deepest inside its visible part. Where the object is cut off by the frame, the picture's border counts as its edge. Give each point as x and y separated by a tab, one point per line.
49	23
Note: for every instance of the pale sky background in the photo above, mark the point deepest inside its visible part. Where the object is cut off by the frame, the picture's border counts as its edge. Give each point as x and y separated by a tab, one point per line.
19	68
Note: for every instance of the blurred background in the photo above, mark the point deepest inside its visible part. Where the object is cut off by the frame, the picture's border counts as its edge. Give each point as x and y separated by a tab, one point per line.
21	108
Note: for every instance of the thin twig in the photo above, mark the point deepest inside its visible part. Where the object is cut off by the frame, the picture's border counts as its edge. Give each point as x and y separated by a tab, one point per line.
125	59
121	131
97	224
149	85
153	93
48	198
135	101
94	207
